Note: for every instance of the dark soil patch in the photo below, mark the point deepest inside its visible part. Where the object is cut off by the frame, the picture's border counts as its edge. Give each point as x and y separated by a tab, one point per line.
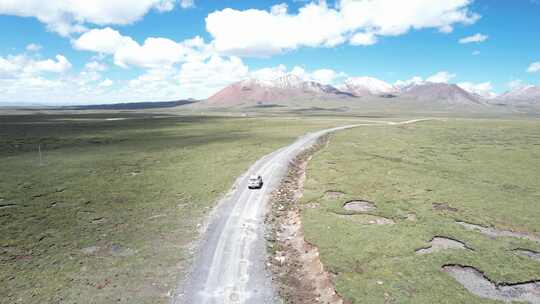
367	219
333	194
359	206
444	207
528	253
493	232
440	243
479	284
412	217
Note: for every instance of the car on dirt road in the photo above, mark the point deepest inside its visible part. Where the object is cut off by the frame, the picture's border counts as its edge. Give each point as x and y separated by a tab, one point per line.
255	182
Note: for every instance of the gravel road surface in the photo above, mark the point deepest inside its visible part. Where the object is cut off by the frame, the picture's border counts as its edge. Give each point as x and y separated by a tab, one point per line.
230	264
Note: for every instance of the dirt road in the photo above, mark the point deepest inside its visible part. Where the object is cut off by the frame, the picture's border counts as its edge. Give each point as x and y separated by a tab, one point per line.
230	266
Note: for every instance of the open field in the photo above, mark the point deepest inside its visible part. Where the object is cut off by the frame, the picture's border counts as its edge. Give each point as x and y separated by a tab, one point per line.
109	213
421	180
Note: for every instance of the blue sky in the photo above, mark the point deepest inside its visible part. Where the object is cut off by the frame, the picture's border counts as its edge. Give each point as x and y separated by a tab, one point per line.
100	51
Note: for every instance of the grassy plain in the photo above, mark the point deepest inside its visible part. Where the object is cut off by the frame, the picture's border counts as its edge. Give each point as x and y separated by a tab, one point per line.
482	171
109	212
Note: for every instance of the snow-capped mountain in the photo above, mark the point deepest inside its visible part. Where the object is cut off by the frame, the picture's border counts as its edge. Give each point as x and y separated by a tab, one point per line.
404	85
282	89
293	90
365	86
522	94
293	82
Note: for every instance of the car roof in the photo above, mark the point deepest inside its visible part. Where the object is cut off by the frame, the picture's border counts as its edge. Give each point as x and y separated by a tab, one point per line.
254	176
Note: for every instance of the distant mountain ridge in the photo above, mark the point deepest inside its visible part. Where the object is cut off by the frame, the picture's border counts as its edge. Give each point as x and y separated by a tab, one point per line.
112	106
527	94
260	92
440	92
253	92
133	105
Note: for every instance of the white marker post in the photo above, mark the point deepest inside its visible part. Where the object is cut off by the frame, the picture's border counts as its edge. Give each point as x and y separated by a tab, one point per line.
40	158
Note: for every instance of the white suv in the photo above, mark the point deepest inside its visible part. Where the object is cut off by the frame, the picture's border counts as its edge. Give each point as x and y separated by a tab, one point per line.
255	182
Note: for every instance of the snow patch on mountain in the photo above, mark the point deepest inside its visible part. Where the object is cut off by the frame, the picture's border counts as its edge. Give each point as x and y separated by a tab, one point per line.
363	86
523	93
282	89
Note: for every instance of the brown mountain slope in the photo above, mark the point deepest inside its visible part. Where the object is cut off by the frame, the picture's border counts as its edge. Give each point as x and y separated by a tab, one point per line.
254	92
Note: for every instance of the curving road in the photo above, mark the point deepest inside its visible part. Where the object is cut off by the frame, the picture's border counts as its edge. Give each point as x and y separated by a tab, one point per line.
230	266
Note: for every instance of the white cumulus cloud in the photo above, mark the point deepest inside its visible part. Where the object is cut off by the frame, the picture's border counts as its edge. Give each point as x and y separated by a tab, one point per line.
106	40
187	3
534	67
441	77
279	9
154	52
200	79
60	65
106	83
95	66
327	76
515	83
415	80
474	38
363	39
484	89
270	73
33	47
324	76
24	75
257	32
21	66
73	16
194	79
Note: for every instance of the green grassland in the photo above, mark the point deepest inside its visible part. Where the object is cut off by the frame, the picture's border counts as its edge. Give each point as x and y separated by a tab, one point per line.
486	171
109	213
